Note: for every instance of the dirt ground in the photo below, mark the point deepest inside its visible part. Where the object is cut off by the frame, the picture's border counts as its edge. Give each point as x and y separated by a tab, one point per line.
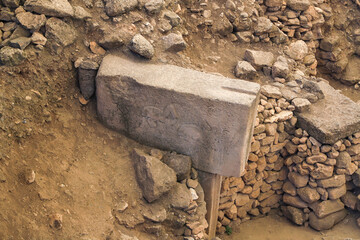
274	227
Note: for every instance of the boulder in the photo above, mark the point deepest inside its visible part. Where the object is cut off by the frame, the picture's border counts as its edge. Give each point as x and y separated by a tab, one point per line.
53	8
117	7
325	208
294	214
259	58
11	56
181	164
142	46
245	70
154	177
31	21
297	50
174	42
327	222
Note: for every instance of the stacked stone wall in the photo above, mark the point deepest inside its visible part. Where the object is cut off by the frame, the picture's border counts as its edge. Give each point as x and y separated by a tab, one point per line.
312	183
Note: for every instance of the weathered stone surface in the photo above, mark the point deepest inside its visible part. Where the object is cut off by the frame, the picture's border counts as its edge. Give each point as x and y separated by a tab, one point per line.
301	104
38	39
180	196
245	70
116	7
334	181
155	213
263	25
181	164
336	193
111	40
174	42
31	21
154	6
322	171
270	91
142	46
325	208
344	120
53	8
280	68
350	200
355	177
294	201
294	214
308	194
259	58
298	5
154	177
11	56
168	107
343	160
11	3
60	33
298	180
297	50
21	42
327	222
81	13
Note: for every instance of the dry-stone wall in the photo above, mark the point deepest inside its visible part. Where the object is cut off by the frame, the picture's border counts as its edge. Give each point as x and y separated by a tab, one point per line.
311	182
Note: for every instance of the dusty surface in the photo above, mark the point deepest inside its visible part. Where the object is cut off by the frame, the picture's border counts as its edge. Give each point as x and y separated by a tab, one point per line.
275	227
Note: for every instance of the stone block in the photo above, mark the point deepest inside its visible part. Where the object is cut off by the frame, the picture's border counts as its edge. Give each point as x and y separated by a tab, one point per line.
207	117
344	120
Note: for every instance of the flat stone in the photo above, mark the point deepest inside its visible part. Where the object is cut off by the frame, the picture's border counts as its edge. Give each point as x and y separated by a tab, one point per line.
155	213
59	32
294	201
327	222
117	7
344	120
271	91
259	58
325	208
337	192
21	42
298	5
53	8
301	104
154	177
334	181
167	107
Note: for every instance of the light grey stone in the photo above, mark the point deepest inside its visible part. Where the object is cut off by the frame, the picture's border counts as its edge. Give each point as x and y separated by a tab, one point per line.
142	46
259	58
271	91
207	117
344	120
11	56
280	68
154	6
301	104
53	8
264	25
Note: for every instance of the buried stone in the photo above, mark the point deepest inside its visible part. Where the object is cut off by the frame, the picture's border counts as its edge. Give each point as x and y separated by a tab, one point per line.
207	117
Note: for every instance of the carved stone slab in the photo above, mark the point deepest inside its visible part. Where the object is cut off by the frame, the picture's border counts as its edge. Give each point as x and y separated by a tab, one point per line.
205	116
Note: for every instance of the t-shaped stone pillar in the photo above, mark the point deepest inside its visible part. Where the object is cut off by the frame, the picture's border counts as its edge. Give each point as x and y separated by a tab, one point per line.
205	116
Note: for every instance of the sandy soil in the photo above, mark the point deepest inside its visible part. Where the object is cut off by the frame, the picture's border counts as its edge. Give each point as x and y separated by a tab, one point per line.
275	227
